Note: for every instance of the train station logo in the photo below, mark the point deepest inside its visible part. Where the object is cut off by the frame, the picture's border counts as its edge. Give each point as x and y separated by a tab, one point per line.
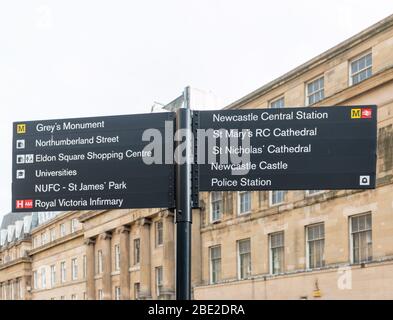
361	113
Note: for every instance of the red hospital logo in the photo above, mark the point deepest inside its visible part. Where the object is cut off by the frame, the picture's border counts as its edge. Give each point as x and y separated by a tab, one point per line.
367	113
20	204
28	204
24	204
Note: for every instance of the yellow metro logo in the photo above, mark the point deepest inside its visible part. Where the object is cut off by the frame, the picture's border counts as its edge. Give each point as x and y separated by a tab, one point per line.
21	128
356	113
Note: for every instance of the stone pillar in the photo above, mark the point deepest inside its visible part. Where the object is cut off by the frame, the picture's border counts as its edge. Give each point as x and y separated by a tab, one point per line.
16	289
90	269
168	265
124	233
107	265
145	263
25	285
9	290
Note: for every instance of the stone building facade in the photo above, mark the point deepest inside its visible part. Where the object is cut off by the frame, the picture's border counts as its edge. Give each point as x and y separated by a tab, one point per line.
313	244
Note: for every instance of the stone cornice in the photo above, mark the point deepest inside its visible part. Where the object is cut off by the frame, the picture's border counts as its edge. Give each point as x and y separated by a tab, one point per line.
87	215
56	242
15	262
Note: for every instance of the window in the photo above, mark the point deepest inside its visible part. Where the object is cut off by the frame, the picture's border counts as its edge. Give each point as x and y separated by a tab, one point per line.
117	257
315	91
62	230
63	271
159	275
100	295
159	233
360	69
73	297
278	103
84	266
74	223
137	251
277	197
52	275
99	262
244	202
137	289
215	264
216	206
244	258
36	241
361	238
315	246
43	278
35	280
84	296
62	298
117	293
74	269
52	234
277	252
43	238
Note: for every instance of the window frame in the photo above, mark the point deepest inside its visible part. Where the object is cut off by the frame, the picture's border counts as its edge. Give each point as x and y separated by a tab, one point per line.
351	241
63	272
271	267
63	231
239	194
275	100
74	269
239	269
117	257
43	278
221	200
308	245
307	93
117	293
137	253
53	275
357	58
159	273
100	262
271	204
159	233
211	263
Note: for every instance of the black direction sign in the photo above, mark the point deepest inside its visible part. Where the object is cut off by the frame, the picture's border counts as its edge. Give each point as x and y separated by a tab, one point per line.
287	149
90	164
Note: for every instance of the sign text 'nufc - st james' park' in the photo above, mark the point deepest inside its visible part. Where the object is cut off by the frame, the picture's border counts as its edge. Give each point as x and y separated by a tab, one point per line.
129	161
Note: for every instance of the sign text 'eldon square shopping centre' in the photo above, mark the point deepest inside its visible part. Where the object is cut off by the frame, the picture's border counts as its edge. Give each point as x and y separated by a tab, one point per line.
128	161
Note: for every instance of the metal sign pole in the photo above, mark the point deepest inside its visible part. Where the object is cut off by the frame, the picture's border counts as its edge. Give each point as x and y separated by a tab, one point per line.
183	203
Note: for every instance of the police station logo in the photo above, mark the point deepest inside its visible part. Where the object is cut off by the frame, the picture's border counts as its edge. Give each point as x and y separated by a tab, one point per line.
364	180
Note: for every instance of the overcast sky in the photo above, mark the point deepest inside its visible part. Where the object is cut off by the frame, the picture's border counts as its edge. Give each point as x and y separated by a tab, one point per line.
62	59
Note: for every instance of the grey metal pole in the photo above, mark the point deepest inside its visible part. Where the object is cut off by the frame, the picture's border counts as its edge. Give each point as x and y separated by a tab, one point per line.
183	217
